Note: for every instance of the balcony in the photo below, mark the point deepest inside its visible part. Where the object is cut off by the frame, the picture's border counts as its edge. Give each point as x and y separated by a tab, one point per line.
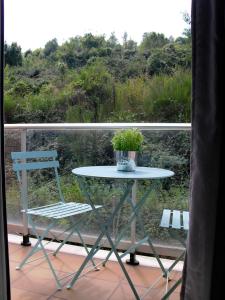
166	146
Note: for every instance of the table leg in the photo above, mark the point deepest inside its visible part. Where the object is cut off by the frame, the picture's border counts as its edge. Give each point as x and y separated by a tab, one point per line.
104	231
135	211
103	227
134	215
132	260
122	266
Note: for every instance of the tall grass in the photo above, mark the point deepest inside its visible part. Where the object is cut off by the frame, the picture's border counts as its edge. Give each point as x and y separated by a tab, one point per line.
169	98
162	98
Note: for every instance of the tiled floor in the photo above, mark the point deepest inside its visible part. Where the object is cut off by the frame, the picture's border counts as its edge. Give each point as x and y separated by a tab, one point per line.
35	280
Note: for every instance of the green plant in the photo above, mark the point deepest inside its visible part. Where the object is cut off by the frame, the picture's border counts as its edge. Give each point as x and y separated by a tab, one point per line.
127	140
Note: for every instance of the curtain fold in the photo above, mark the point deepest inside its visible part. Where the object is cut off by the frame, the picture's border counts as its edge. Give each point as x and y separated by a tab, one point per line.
4	261
204	263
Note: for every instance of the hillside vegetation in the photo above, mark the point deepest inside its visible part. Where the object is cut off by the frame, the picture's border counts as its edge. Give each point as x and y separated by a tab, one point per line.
93	79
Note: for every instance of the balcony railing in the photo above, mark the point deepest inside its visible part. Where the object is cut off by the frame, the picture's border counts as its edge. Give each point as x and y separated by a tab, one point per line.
167	145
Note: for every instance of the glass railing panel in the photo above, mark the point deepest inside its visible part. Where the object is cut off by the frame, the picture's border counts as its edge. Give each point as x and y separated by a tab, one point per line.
163	149
12	143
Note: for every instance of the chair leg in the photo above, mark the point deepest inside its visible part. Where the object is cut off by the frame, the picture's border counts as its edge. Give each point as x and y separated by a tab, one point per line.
73	228
179	258
171	290
176	261
35	248
64	241
40	239
86	249
30	253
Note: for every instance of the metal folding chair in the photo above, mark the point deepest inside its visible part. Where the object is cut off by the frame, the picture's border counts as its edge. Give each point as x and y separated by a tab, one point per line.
177	222
53	212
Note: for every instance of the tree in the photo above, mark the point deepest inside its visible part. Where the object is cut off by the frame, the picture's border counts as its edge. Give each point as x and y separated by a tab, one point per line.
152	40
129	47
187	31
72	53
50	47
97	82
168	58
13	55
125	38
157	63
90	41
28	52
112	42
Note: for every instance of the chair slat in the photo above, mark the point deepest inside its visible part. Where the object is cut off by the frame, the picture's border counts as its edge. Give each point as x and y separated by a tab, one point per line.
176	219
35	165
186	220
73	212
65	207
165	221
33	154
61	210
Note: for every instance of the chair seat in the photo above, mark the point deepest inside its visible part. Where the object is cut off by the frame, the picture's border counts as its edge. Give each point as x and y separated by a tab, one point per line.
61	210
175	219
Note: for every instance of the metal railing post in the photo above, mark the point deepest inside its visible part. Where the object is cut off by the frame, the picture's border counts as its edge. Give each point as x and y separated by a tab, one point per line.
26	240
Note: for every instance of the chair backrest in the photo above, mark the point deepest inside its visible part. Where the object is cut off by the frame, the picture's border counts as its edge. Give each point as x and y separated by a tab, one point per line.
34	160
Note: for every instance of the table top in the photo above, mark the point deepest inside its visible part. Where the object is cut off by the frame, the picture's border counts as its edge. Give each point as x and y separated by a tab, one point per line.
111	172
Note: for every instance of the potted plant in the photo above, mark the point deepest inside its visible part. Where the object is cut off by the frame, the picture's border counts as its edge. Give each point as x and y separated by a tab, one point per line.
126	143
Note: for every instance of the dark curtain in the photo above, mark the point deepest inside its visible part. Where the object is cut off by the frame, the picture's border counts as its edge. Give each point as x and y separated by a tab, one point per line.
4	262
203	275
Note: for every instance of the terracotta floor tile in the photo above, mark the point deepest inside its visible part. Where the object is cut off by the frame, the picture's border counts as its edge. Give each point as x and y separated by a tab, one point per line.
38	280
145	276
62	262
87	288
124	292
17	256
112	271
65	262
55	298
16	274
174	296
20	294
159	291
13	248
156	294
174	276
